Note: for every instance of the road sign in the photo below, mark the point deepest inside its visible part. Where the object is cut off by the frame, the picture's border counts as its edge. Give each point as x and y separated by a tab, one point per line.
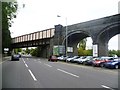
58	49
95	50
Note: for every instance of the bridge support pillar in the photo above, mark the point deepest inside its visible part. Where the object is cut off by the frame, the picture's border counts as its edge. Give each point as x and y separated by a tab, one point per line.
103	49
44	51
75	50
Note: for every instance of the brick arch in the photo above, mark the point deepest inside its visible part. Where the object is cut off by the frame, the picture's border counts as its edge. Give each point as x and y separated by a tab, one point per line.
108	32
76	35
104	36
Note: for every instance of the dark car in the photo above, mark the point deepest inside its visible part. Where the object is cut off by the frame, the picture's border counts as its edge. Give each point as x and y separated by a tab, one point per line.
113	64
15	57
53	58
89	61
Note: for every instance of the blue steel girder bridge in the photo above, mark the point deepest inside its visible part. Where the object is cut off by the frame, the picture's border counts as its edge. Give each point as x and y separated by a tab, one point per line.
100	30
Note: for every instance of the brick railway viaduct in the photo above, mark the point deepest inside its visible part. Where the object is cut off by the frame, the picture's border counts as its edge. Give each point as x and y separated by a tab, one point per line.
100	30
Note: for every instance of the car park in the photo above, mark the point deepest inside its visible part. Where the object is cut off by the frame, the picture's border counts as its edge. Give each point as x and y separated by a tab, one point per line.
53	58
15	57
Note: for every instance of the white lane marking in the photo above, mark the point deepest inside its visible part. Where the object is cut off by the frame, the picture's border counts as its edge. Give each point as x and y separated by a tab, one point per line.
27	58
23	60
39	61
68	73
26	65
104	86
32	75
48	65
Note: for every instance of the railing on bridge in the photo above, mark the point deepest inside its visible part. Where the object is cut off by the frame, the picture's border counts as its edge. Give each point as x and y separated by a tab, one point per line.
48	33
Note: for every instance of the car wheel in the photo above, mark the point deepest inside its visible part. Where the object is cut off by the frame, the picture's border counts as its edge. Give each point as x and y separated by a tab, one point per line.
84	63
102	65
93	65
116	66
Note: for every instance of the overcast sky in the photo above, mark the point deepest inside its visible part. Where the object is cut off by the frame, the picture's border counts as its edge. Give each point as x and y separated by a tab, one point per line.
42	14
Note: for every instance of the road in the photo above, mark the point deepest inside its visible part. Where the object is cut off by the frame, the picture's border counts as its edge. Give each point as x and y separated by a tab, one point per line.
39	73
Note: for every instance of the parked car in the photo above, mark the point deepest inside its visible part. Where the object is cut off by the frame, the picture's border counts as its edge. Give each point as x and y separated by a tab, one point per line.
81	61
89	61
15	57
100	61
62	58
74	58
113	64
53	58
71	58
78	59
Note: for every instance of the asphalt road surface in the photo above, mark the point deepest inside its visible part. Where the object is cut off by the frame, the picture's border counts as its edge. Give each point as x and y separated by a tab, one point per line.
40	73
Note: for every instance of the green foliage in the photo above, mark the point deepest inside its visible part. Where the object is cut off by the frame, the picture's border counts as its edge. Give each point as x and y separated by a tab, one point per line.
17	50
82	52
82	44
27	51
114	52
88	52
82	49
33	52
8	13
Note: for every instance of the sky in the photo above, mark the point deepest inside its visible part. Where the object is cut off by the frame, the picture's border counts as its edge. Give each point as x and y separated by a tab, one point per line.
39	15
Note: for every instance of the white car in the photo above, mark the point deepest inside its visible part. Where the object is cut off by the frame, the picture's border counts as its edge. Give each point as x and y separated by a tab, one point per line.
78	59
61	58
71	58
84	59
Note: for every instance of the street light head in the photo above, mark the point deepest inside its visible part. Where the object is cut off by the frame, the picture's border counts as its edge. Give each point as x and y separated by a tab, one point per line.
58	16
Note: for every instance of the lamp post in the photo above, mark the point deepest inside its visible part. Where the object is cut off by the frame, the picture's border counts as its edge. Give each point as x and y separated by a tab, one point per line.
66	37
66	44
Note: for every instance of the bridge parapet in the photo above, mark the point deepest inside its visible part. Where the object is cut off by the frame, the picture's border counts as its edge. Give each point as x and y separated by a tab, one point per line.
45	34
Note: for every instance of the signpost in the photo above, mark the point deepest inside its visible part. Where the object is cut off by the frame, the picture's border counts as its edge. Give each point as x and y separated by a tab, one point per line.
69	49
58	49
95	50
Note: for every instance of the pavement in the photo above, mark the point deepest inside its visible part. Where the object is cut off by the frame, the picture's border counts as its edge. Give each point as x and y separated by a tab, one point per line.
3	59
40	73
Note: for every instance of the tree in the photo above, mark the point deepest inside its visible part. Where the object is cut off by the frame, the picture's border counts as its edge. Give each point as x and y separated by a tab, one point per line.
82	47
17	50
27	51
8	13
33	52
82	44
114	52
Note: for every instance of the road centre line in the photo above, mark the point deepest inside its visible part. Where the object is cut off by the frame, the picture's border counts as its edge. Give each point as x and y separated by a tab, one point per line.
23	60
32	75
68	73
104	86
39	61
30	71
48	65
26	65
